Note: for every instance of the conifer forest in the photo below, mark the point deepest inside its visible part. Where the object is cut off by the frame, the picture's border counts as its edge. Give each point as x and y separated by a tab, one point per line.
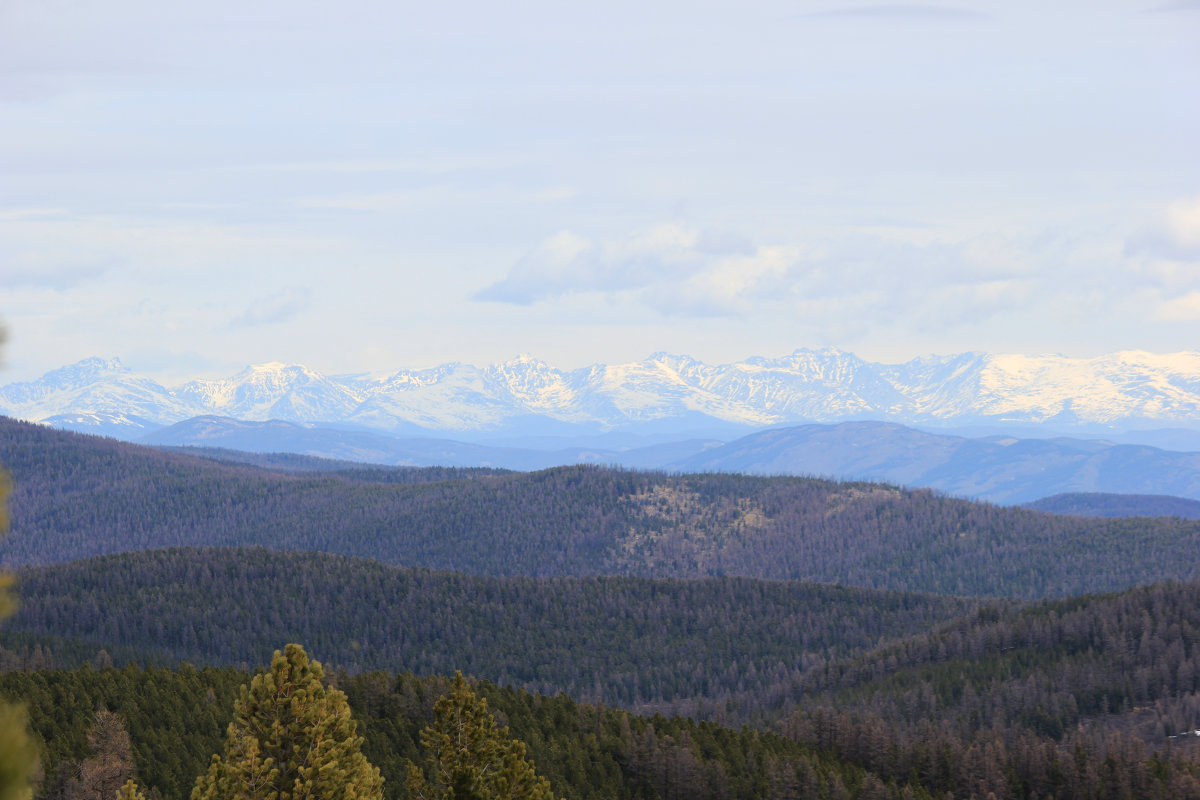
182	625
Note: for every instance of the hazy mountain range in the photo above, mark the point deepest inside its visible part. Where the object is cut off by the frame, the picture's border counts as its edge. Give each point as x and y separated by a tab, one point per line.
664	396
1001	469
815	412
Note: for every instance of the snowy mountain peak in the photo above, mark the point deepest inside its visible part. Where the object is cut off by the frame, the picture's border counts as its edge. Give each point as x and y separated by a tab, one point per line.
85	371
276	371
674	361
524	359
821	352
1127	388
523	368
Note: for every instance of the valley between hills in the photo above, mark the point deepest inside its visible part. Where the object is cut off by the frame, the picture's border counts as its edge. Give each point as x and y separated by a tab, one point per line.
646	634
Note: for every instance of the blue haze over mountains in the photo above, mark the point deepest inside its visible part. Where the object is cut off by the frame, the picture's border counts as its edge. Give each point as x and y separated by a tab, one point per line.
1008	429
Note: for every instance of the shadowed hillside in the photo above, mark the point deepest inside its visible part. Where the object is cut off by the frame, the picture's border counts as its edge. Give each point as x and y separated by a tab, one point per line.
620	640
1097	504
79	496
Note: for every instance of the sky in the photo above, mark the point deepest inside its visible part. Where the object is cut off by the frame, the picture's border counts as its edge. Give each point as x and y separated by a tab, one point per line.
364	186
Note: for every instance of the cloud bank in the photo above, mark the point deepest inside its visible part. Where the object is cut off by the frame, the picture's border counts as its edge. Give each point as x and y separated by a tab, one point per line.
672	268
853	286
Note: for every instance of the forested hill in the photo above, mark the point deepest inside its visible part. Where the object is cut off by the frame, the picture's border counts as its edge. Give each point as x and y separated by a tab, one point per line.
77	496
352	470
1074	700
1119	671
1107	653
1100	504
176	719
620	640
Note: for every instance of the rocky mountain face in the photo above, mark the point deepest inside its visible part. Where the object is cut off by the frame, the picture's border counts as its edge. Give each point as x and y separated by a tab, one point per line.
525	396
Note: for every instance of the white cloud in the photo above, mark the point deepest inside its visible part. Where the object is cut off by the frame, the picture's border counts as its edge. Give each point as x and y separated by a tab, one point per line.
1173	235
31	270
681	271
672	268
275	308
396	158
1180	309
1182	223
41	251
1166	255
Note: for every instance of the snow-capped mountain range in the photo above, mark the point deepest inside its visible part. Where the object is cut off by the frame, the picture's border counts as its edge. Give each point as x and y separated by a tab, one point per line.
664	392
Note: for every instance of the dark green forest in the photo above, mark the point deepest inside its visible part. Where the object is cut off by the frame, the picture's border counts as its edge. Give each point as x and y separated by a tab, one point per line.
617	640
1099	672
175	718
1085	697
80	496
643	635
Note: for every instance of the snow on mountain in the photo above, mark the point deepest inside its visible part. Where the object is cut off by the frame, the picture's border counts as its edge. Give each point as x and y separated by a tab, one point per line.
1128	388
533	385
1124	386
274	391
812	385
97	388
451	397
939	386
660	386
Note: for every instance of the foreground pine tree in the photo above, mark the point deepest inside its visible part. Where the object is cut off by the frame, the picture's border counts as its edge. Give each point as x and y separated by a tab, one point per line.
291	739
101	776
18	757
130	791
469	758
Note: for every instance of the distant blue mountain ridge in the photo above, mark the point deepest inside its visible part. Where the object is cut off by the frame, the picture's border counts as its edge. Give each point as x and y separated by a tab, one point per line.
999	469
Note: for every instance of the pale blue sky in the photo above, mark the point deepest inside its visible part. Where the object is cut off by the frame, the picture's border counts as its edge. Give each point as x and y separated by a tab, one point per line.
368	186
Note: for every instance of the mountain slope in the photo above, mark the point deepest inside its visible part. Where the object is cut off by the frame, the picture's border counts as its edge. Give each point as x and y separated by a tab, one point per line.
78	496
379	448
1090	698
620	640
1097	504
1114	662
999	469
996	469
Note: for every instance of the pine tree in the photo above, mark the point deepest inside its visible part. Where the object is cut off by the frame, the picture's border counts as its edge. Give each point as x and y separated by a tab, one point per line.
291	738
18	758
130	791
100	776
469	758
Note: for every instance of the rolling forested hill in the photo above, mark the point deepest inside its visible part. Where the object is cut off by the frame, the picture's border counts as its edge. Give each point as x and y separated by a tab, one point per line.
638	643
1090	698
726	648
648	591
176	720
1118	673
1049	666
1101	504
79	496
